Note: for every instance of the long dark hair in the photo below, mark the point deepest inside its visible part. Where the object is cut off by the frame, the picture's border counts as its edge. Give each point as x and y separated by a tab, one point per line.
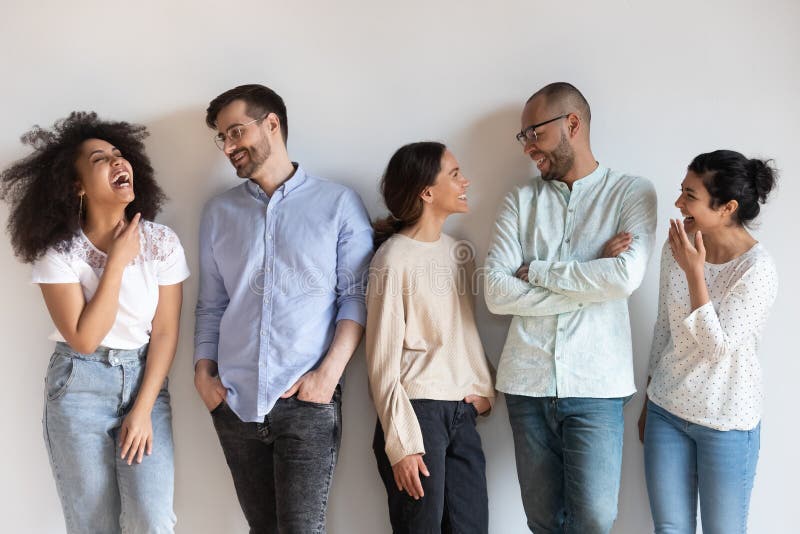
412	168
728	175
41	188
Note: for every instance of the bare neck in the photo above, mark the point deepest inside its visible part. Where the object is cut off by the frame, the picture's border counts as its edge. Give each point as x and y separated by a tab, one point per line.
101	224
584	165
727	243
428	228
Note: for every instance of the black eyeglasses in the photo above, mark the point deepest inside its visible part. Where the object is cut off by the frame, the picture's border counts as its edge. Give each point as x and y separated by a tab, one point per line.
529	135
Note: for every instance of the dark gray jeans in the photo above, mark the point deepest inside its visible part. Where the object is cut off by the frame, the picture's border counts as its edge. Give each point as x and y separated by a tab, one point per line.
455	500
283	467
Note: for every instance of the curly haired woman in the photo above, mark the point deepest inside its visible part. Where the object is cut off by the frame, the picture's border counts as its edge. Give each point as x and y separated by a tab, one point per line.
111	280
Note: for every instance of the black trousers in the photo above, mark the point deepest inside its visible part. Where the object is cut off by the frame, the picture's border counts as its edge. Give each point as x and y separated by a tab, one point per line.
455	498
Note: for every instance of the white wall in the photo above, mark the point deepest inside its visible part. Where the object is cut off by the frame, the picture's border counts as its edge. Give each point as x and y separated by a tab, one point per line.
666	80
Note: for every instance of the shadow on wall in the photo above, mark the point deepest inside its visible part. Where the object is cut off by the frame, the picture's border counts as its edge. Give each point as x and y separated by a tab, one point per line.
192	170
494	162
187	162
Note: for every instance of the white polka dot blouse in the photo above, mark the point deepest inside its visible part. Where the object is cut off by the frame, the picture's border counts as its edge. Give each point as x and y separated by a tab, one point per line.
704	364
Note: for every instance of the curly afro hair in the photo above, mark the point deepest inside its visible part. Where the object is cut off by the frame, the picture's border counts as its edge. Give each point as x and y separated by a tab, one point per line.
42	187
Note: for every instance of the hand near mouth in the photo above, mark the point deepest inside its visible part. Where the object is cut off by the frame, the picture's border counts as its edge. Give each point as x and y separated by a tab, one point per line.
690	257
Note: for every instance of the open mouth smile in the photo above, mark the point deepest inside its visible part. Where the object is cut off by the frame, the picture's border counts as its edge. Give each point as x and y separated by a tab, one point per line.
121	180
238	156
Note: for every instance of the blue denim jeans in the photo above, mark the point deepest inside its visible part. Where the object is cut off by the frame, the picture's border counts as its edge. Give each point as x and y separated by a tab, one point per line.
569	457
683	459
87	398
455	500
282	468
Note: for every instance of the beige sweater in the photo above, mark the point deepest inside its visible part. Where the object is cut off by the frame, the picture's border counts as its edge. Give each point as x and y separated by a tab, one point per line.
422	341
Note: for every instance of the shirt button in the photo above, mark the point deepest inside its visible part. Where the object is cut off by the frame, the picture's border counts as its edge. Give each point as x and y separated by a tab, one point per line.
580	304
263	333
269	236
567	240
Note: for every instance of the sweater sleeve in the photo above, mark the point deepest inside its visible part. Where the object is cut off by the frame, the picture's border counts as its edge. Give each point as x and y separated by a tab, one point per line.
384	347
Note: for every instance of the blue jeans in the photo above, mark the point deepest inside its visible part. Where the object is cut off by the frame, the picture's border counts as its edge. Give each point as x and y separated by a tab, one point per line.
455	500
569	456
683	459
282	468
87	398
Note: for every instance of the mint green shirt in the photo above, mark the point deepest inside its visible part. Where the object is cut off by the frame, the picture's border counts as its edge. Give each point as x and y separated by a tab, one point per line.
570	333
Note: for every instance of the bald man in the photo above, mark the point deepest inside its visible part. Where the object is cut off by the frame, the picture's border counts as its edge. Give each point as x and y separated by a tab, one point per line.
567	250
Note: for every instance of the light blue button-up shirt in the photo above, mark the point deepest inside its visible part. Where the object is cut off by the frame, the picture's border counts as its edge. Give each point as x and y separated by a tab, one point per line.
276	275
570	335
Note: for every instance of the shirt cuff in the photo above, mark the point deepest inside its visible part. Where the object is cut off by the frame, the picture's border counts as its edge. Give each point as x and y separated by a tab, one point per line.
205	351
537	273
398	452
354	311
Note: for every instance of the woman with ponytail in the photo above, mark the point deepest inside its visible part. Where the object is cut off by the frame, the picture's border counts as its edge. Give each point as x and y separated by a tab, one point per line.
428	374
701	422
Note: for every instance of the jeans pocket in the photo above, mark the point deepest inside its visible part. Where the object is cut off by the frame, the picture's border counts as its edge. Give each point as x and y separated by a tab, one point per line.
218	408
335	399
330	404
60	374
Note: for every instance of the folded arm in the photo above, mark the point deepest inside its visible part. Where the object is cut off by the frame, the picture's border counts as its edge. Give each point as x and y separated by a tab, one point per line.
605	279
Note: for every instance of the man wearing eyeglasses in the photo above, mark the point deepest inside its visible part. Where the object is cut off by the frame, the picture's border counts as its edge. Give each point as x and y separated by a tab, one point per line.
280	310
567	250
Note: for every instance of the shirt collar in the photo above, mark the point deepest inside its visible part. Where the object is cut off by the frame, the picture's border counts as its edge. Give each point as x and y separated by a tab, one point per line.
297	179
591	178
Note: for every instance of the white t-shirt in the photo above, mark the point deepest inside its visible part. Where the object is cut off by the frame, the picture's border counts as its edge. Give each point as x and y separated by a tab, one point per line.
704	363
161	262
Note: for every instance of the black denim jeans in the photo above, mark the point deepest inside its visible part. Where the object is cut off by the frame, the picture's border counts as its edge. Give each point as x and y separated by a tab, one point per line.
455	498
283	467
